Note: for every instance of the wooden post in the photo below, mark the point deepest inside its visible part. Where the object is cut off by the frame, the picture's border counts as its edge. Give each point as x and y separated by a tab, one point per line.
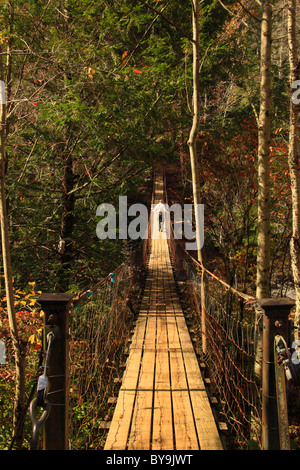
275	321
57	312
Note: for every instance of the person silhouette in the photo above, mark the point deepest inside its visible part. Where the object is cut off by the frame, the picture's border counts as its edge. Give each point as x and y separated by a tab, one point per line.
162	210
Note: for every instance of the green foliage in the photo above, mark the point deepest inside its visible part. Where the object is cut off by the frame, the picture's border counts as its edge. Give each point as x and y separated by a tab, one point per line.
100	91
30	324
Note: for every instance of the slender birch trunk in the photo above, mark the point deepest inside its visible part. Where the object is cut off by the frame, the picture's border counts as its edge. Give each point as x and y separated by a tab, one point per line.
263	233
19	346
194	158
195	125
263	229
293	157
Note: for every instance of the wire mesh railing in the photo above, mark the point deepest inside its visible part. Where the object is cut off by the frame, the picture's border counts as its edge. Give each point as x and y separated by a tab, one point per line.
100	327
232	347
228	331
228	341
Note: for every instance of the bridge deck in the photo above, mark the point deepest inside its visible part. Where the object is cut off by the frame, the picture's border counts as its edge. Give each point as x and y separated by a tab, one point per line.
162	403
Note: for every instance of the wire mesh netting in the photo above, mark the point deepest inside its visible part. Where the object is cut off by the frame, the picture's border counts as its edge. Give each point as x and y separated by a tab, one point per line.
233	340
229	342
100	327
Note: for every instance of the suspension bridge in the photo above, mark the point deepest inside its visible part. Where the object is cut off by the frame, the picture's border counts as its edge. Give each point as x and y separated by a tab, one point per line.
162	403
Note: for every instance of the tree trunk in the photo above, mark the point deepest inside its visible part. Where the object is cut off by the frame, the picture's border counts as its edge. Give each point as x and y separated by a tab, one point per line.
194	159
263	229
68	198
195	125
67	223
293	158
18	345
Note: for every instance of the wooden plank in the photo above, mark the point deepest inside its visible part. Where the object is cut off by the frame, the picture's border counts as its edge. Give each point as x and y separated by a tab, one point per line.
139	332
173	336
140	433
162	370
178	376
162	438
205	423
183	332
193	371
150	335
131	373
119	429
185	434
161	335
146	379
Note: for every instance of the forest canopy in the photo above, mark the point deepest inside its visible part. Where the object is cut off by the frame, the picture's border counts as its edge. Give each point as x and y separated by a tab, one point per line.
97	93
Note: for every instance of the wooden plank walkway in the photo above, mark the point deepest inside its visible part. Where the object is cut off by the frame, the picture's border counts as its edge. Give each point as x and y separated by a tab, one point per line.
162	402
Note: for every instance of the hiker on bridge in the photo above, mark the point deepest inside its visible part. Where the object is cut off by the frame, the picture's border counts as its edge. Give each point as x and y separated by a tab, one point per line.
164	217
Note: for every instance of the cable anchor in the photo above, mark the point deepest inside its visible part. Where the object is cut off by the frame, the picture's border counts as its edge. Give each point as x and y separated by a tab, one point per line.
40	401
